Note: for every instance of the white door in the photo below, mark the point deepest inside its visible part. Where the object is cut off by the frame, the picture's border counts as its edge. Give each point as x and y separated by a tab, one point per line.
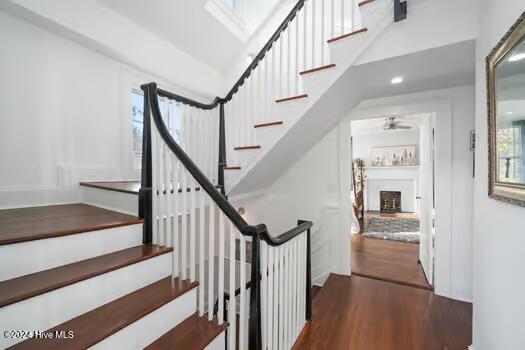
426	209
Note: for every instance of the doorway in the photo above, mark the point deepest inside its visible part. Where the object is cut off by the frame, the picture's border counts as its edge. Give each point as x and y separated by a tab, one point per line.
392	191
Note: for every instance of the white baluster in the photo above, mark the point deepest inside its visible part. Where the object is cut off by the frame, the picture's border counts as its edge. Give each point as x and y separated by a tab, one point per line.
192	218
155	175
176	252
264	292
270	318
276	299
294	288
242	325
232	312
202	253
280	78
296	70
211	258
332	19
322	39
281	296
305	33
184	228
342	17
288	61
313	33
220	289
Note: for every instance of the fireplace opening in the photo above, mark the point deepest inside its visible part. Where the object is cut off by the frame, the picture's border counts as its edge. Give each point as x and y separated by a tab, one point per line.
390	201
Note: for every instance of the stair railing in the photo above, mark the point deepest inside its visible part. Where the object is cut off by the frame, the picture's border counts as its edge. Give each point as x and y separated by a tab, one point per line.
180	199
280	272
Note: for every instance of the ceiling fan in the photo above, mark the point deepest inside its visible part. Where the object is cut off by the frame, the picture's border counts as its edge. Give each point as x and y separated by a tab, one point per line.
392	124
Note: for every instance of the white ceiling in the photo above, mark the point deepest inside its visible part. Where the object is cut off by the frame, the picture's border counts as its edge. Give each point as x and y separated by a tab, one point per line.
437	68
184	23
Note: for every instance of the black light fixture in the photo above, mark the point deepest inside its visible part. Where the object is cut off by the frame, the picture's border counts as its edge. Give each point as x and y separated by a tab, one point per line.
400	10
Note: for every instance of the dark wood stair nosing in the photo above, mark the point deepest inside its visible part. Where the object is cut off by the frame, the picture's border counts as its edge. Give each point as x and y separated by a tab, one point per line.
291	98
180	336
39	236
243	148
98	185
232	168
317	69
45	275
263	125
362	3
117	310
362	30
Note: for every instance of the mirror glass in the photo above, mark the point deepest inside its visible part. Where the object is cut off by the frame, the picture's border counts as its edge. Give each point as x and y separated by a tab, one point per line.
510	117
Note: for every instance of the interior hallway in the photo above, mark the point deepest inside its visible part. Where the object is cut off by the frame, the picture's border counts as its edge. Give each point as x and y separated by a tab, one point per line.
387	261
362	313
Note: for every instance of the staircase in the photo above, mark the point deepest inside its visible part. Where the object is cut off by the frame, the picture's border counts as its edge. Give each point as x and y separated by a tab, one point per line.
188	272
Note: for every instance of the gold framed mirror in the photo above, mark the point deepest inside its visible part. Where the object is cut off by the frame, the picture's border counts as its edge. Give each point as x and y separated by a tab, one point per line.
506	116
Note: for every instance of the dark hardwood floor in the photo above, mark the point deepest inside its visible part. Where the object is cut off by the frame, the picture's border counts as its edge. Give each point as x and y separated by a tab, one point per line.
361	313
27	224
388	260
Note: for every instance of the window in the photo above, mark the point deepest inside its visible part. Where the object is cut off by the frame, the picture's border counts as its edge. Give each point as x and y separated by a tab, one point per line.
172	113
509	154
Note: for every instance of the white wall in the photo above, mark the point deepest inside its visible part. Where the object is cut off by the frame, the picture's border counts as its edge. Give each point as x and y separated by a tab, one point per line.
388	179
499	239
65	115
429	24
363	143
310	190
454	118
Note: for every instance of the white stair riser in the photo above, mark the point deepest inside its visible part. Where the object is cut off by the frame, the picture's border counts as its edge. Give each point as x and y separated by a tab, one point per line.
113	200
152	326
33	256
50	309
219	343
376	16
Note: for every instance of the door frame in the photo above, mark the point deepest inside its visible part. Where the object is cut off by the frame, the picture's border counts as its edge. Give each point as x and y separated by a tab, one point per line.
441	107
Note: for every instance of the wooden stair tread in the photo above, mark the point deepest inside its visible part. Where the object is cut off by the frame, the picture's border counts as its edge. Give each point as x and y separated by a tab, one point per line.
104	321
241	148
131	187
262	125
232	168
347	35
27	224
193	333
317	69
291	98
28	286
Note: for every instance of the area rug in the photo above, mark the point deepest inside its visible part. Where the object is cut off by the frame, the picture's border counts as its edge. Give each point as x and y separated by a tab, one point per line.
394	229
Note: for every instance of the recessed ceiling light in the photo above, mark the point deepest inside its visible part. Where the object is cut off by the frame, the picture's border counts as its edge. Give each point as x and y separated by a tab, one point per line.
397	80
517	57
508	113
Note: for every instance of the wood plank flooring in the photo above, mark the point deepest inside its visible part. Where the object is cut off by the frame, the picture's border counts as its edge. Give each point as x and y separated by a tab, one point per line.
26	224
360	313
388	261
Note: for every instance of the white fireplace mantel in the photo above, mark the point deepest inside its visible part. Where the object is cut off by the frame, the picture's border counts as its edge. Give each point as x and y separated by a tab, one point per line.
402	179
